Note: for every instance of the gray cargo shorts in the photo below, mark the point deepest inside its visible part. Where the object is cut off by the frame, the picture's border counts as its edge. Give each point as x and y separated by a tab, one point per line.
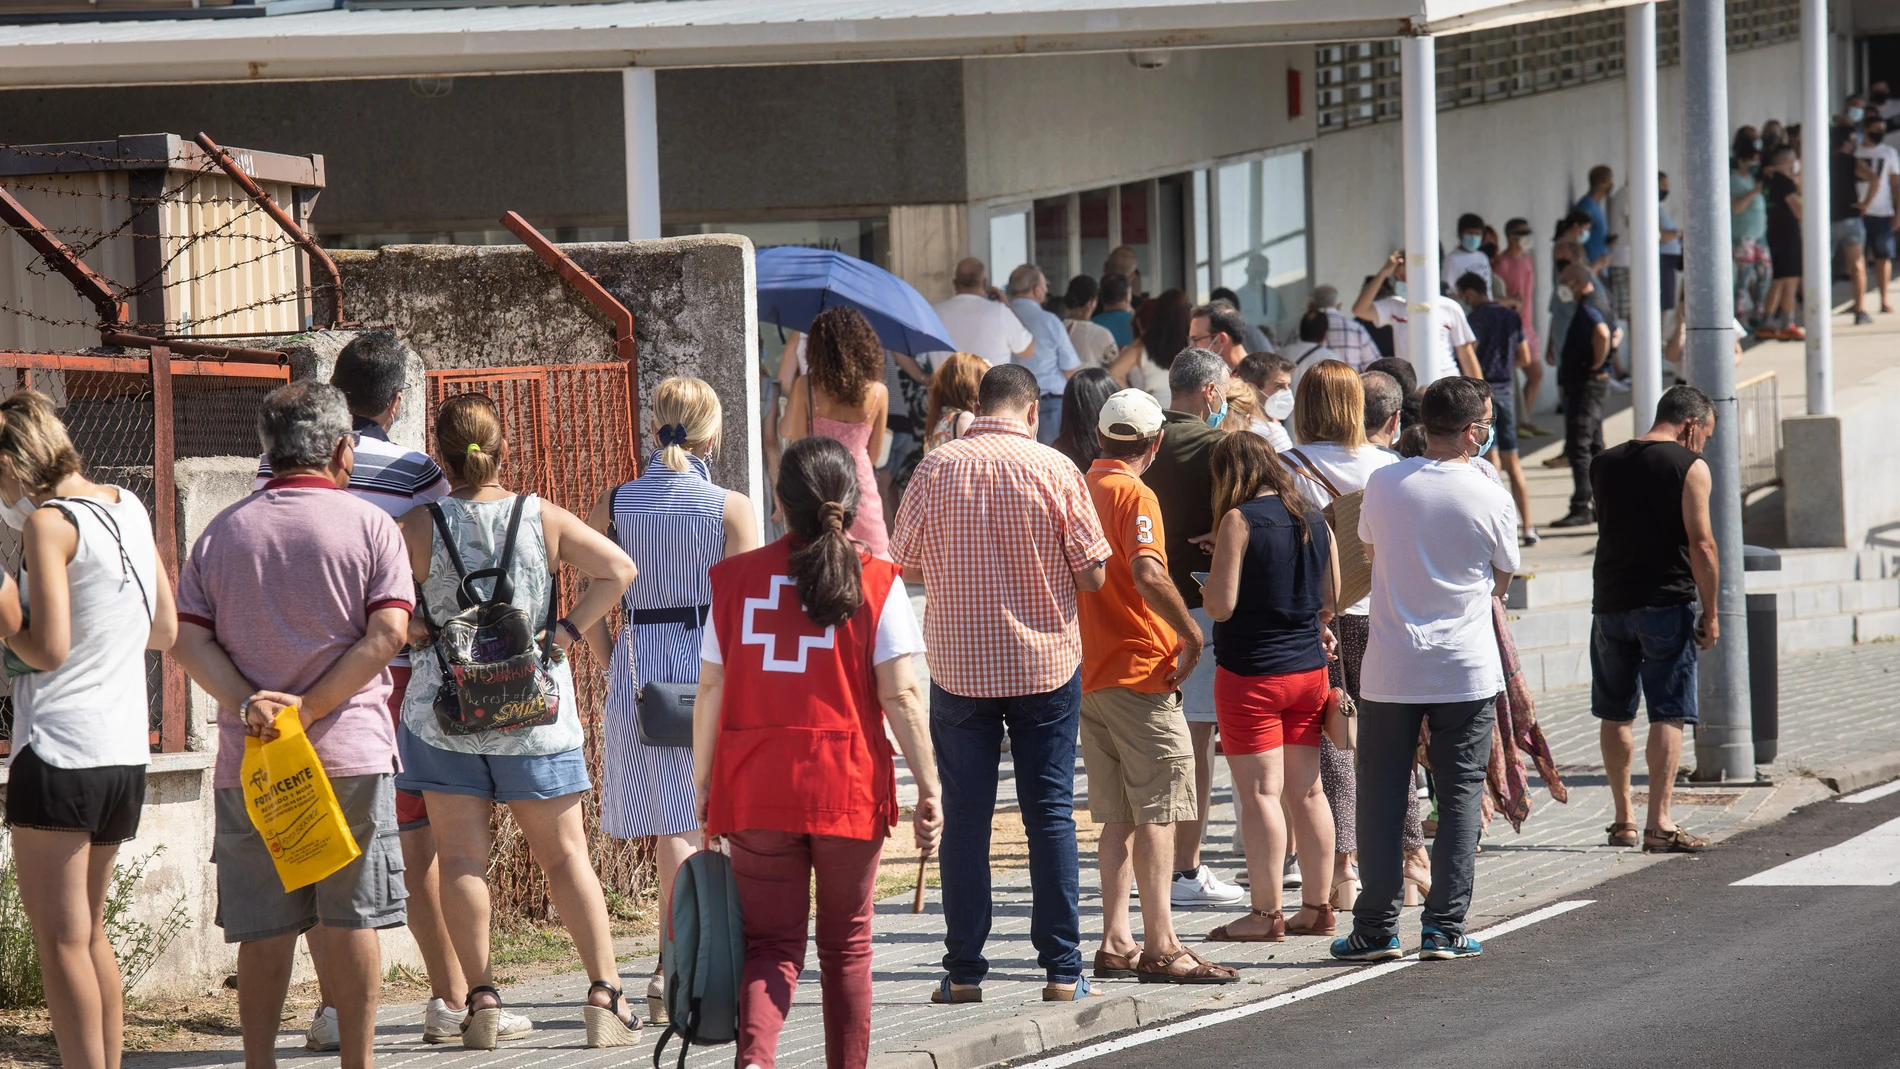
366	893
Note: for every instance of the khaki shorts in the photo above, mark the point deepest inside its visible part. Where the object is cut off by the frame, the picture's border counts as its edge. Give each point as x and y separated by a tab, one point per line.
1139	757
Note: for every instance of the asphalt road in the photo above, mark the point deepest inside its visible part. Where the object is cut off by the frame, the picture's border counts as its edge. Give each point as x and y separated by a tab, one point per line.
1669	966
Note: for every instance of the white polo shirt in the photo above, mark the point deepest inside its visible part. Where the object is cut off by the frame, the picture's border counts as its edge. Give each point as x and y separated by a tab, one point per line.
983	327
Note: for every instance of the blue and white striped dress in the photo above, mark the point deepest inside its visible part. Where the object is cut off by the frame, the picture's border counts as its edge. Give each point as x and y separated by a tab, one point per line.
673	526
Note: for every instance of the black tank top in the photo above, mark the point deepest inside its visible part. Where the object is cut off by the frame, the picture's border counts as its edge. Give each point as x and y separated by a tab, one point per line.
1642	558
1275	626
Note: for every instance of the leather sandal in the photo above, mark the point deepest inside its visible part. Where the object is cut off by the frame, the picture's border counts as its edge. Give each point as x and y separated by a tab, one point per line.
1183	967
1673	841
1276	931
1322	924
1081	990
1622	834
946	994
481	1029
1110	966
605	1027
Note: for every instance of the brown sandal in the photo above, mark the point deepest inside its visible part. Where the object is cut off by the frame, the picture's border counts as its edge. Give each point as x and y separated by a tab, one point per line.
1622	834
1673	841
1323	925
1276	933
1110	966
1162	969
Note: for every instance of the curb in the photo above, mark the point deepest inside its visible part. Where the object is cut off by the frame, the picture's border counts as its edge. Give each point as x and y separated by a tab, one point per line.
1865	772
1057	1027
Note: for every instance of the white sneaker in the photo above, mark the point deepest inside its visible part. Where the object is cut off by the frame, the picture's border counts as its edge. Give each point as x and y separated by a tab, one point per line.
322	1033
443	1025
1203	889
1292	880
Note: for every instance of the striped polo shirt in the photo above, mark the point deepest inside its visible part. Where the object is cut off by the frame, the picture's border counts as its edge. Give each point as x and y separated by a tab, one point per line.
386	475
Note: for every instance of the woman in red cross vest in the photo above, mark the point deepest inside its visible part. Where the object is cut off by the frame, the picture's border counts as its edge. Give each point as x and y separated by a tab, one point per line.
807	653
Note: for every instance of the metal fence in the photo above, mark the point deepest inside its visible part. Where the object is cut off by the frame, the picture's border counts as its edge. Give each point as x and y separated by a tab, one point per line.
569	429
1758	412
130	426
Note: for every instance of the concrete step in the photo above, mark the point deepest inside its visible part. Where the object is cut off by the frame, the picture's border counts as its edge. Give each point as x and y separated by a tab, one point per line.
1549	587
1801	567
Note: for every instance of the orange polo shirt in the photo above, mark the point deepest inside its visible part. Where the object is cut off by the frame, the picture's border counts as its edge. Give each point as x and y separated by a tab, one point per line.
1124	642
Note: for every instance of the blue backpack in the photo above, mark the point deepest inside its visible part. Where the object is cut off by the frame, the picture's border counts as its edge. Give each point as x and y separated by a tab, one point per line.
703	950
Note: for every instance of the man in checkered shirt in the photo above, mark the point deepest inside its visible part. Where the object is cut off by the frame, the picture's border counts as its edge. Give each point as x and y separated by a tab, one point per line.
1345	336
1002	533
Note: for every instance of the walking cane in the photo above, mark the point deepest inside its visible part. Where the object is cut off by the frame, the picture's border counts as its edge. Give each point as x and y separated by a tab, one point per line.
923	865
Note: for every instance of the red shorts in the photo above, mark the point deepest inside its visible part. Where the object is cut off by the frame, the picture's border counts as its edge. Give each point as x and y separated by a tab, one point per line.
411	811
1261	713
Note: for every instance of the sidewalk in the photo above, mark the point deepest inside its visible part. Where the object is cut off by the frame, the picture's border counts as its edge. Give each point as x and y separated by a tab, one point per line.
1837	709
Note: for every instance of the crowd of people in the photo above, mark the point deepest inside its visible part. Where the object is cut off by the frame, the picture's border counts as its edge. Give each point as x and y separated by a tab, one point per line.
1186	537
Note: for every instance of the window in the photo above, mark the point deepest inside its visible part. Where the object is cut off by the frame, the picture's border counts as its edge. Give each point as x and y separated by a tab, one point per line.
1260	238
1357	83
1009	243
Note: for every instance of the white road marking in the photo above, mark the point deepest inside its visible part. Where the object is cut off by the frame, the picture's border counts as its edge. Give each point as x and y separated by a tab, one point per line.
1870	859
1871	793
1357	976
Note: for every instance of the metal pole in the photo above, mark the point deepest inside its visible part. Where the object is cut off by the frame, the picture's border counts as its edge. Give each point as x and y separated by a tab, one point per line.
1817	254
1639	65
640	117
1418	86
1724	740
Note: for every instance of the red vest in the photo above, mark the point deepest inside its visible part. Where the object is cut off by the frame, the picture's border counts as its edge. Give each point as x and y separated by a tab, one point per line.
801	743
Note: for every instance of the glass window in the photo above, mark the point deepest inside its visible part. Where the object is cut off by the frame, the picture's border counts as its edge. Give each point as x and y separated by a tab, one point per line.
1052	241
1094	230
1009	243
1263	239
866	238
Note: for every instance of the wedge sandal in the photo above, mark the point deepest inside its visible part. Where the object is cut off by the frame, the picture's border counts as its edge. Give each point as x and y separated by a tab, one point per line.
604	1026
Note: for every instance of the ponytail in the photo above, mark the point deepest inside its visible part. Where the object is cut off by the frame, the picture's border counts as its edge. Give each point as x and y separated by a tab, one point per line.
685	417
818	495
468	437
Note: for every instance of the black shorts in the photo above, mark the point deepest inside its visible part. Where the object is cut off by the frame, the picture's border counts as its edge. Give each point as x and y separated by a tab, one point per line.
104	802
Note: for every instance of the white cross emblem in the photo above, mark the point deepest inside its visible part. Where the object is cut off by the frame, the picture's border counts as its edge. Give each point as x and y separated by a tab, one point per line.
769	638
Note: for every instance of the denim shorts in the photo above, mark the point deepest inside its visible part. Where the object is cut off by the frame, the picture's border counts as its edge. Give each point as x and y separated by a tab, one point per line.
1504	417
1197	690
502	777
1653	648
1879	236
1849	232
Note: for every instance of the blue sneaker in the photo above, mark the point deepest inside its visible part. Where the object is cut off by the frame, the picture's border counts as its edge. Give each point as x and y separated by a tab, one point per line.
1435	945
1361	947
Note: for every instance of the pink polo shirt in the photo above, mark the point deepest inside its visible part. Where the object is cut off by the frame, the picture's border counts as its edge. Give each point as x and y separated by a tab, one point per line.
287	579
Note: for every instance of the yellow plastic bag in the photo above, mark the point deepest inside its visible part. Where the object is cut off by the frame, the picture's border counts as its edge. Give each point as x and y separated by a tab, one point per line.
293	807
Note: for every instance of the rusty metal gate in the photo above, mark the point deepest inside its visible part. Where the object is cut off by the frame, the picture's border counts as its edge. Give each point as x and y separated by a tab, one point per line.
570	435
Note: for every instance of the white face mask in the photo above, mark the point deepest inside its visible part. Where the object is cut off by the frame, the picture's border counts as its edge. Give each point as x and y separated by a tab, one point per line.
1566	294
14	514
1279	405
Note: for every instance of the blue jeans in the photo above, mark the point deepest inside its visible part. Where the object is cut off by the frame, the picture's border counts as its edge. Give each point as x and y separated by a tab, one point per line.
968	736
1048	418
1653	647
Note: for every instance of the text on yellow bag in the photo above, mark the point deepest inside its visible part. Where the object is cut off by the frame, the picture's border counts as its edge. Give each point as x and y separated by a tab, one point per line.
293	806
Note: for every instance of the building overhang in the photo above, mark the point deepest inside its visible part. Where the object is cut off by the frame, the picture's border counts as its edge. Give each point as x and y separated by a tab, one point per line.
400	38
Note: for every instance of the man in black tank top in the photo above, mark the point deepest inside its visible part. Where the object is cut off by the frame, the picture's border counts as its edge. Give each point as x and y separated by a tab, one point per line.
1655	559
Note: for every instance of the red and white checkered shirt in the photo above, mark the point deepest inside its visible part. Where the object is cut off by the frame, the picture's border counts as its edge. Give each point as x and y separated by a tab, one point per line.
999	525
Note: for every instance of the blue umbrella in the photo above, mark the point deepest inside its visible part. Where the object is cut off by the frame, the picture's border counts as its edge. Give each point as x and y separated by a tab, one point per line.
796	283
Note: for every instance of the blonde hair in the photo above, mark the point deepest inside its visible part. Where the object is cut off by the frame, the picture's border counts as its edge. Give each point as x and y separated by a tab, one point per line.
468	437
34	443
686	415
1243	406
1331	405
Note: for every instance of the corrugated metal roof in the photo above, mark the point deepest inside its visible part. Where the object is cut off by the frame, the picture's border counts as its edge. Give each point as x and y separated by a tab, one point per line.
495	39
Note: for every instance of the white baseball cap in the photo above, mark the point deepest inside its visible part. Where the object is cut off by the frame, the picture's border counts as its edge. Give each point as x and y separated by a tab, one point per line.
1130	415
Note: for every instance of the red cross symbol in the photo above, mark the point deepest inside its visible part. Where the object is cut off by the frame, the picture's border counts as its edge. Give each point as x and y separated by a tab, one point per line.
779	624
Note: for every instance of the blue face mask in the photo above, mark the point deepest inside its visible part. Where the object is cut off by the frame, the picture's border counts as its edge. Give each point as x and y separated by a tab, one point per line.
1490	439
1398	289
1471	241
1583	235
1214	418
1854	114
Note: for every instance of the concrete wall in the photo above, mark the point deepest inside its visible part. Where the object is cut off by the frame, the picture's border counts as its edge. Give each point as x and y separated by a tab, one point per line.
1839	483
1046	123
1526	157
497	306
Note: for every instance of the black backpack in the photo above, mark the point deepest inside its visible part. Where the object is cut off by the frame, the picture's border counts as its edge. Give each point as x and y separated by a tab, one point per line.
494	676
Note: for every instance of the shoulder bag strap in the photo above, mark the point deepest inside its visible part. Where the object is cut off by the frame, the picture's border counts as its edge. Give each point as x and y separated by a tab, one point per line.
1311	470
112	527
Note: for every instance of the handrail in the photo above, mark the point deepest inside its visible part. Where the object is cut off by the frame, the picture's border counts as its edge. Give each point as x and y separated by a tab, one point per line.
90	284
192	348
296	233
1756	381
590	288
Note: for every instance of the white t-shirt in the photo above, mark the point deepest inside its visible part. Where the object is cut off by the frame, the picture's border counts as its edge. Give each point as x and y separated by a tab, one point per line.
1304	355
1453	331
1093	343
1884	160
1460	263
1152	377
983	327
897	632
1437	530
1274	433
1348	469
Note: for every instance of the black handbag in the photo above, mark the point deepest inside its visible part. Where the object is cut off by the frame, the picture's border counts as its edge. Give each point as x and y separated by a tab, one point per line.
494	675
665	714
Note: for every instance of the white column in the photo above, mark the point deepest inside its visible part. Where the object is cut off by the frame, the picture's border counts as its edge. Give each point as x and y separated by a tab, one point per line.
1072	228
641	121
1418	83
1639	65
1817	253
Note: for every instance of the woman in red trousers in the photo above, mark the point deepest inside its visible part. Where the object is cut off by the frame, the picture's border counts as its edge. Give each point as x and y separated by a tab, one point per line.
808	652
